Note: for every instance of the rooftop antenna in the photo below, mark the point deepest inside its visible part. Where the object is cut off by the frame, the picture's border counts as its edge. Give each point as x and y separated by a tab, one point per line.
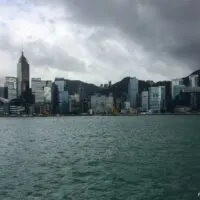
22	48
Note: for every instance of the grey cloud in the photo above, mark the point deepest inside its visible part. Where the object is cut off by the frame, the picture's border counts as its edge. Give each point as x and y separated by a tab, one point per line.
164	28
42	53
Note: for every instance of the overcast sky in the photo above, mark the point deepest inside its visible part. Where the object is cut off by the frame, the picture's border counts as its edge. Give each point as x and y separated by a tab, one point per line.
101	40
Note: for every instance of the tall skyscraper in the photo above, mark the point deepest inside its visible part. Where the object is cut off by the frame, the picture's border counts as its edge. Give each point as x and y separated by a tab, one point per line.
23	75
133	92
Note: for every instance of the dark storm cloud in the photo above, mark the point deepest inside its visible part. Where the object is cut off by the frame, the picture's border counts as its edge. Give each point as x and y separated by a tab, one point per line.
162	27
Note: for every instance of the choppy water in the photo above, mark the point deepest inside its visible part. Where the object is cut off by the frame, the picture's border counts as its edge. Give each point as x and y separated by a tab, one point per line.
79	158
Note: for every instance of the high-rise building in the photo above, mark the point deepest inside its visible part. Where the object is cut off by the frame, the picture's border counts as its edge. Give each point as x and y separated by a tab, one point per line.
157	99
102	103
82	95
145	101
55	99
194	80
133	92
23	75
11	85
62	87
176	90
3	92
176	87
74	103
38	89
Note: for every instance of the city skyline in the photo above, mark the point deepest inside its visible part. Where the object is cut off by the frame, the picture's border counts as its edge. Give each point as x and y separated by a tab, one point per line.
86	45
30	77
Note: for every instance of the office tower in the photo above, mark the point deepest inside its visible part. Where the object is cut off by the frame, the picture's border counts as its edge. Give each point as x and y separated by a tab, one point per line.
62	95
194	80
102	103
23	76
11	85
157	99
176	87
55	99
37	86
145	101
133	92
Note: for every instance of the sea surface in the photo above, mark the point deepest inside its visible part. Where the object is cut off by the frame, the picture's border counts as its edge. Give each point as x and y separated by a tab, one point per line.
94	158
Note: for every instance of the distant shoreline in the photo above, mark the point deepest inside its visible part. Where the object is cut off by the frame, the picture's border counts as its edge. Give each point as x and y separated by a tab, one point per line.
123	115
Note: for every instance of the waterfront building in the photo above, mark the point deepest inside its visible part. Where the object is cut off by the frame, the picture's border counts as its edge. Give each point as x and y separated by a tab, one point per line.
41	90
176	87
102	104
74	103
47	94
38	89
23	76
133	92
65	102
3	92
4	106
145	101
194	97
176	90
55	99
17	106
11	85
62	87
194	79
157	99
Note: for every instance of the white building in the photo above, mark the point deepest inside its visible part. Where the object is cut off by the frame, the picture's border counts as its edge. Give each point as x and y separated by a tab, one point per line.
176	87
41	90
194	80
102	103
145	101
157	99
133	92
38	89
11	84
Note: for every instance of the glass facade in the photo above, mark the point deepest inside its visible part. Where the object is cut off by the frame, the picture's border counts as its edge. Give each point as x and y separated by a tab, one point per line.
157	98
133	92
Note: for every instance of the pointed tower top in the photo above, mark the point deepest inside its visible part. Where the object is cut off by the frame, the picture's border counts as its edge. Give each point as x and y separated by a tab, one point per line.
22	57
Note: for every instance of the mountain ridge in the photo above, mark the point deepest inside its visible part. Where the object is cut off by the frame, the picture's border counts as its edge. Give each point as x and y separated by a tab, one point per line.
121	86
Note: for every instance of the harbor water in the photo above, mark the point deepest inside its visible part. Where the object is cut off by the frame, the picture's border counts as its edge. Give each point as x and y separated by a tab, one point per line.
90	158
